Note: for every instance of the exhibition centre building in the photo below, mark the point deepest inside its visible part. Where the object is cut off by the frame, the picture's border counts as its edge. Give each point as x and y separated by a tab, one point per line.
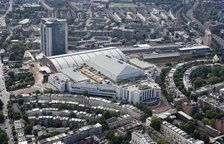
104	72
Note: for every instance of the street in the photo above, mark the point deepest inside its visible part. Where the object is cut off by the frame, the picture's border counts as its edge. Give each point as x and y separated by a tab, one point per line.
5	98
2	19
4	94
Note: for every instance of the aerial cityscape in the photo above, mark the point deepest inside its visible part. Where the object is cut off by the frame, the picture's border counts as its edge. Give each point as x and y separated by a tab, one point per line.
112	72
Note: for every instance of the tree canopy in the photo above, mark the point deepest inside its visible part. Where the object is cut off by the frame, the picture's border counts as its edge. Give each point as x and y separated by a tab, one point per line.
155	123
3	137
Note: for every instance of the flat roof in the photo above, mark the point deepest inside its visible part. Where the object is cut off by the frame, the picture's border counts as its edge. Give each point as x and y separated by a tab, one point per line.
45	69
113	68
75	75
24	21
144	45
161	55
185	115
194	48
60	76
140	64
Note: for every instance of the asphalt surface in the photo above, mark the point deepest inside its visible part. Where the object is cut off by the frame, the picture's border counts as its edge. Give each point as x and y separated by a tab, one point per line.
5	98
4	94
2	19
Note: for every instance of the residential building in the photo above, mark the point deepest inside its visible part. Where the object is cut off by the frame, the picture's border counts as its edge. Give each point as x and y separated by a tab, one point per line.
207	37
49	120
190	108
176	135
19	129
71	99
54	36
74	136
210	102
123	33
115	122
133	125
138	137
219	124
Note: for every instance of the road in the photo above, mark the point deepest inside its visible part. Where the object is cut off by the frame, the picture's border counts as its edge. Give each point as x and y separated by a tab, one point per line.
5	98
89	12
190	15
218	39
2	19
4	94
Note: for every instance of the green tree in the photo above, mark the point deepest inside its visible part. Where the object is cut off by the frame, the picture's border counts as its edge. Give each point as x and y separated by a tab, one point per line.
188	127
3	137
205	121
162	141
144	108
16	115
197	116
110	134
210	114
20	101
28	129
204	137
199	82
1	117
155	123
1	104
117	139
213	80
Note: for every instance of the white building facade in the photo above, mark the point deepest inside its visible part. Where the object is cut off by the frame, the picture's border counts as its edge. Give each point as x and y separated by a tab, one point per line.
176	135
133	94
104	75
137	137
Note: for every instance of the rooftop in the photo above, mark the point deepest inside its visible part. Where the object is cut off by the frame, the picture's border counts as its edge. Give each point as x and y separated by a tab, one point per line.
75	75
113	68
161	55
24	21
141	64
60	76
144	137
45	69
194	48
79	58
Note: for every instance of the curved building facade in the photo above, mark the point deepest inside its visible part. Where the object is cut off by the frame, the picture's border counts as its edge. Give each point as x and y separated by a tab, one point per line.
59	62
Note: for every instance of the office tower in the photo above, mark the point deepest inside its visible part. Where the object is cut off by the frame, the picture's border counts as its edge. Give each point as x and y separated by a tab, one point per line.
54	36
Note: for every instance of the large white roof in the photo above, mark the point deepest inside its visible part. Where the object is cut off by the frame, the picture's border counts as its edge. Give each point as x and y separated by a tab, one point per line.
75	75
113	68
141	64
194	48
78	59
24	21
46	69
